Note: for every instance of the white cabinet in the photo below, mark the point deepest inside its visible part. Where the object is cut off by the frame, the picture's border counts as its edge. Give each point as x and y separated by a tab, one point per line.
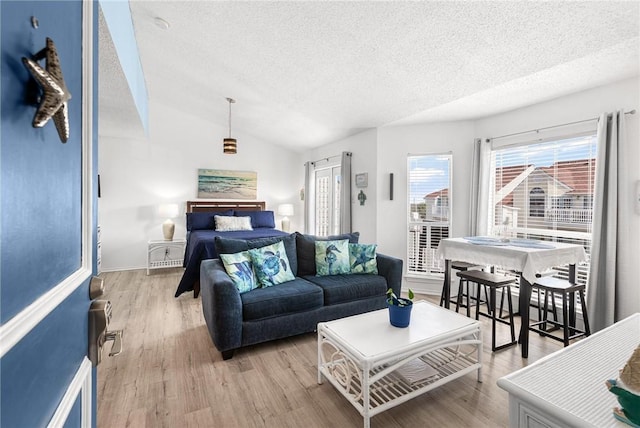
567	388
165	254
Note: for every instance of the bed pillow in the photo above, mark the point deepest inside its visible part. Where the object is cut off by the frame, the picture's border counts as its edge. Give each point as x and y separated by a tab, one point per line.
233	245
332	257
228	224
362	258
271	264
239	267
305	245
259	218
202	221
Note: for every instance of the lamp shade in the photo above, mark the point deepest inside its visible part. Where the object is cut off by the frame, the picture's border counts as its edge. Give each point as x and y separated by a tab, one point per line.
230	146
169	210
285	209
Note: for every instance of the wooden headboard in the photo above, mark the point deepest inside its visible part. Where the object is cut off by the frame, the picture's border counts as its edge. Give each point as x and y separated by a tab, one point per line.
208	206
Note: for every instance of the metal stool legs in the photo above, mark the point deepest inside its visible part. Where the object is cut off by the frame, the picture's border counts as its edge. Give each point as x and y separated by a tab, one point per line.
567	290
492	299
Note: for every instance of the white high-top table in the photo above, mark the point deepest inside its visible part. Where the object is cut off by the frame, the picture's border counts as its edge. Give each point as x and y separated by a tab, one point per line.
527	261
360	354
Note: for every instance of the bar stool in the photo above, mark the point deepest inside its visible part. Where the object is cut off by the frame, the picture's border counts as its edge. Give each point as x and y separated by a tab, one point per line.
460	266
493	282
567	290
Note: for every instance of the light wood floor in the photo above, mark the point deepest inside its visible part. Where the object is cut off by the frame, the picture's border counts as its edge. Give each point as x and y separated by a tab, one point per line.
171	375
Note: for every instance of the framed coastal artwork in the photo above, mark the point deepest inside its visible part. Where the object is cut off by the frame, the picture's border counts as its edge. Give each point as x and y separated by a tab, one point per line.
226	184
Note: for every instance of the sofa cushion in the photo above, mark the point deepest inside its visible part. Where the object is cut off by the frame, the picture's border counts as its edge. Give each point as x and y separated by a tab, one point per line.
239	267
306	249
347	288
230	246
332	257
362	258
271	264
291	297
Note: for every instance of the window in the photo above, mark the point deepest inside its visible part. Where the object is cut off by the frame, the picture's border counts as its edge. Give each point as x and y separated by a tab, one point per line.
327	201
565	202
429	211
545	191
536	202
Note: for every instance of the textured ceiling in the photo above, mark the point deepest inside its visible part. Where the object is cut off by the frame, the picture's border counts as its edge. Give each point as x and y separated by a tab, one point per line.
309	73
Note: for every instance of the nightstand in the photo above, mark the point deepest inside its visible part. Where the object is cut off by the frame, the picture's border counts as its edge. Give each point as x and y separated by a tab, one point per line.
165	254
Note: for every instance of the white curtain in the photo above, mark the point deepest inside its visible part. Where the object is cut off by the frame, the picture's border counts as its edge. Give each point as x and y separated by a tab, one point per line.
345	193
611	168
480	188
307	196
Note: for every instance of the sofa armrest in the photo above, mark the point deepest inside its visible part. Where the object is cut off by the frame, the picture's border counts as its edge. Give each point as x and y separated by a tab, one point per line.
391	269
221	305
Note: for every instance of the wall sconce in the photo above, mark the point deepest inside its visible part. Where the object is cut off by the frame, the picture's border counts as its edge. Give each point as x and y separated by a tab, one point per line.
168	211
230	145
285	210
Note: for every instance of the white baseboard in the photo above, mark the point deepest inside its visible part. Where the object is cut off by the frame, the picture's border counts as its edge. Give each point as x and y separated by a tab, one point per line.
423	285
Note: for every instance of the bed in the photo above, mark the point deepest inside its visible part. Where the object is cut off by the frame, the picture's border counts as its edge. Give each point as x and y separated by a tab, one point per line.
201	234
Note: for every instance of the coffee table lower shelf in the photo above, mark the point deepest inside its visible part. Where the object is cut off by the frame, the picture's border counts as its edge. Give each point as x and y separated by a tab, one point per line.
375	386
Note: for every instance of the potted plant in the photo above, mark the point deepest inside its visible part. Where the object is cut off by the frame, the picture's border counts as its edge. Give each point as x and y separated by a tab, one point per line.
399	308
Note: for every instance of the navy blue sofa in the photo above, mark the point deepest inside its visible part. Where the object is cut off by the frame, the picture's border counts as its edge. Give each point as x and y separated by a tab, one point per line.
236	320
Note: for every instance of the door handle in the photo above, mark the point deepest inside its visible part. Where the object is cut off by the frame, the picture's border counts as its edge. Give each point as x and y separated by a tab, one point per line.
116	336
99	318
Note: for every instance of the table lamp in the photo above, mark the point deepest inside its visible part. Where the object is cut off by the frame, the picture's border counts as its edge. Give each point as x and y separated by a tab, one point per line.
168	211
285	210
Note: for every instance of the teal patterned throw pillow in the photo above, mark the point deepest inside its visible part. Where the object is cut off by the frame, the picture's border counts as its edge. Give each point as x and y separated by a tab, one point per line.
271	264
332	257
362	258
240	268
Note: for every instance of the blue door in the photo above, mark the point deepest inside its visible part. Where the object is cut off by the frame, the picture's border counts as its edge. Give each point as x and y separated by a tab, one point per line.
48	221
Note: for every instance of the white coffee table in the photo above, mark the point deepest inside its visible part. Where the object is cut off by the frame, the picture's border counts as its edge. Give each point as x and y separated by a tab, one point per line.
359	355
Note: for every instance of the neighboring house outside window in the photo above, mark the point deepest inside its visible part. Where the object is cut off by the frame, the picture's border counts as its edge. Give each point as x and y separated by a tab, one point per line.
545	191
429	211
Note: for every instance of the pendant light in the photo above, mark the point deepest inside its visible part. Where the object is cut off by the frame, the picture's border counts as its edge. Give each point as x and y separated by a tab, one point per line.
229	145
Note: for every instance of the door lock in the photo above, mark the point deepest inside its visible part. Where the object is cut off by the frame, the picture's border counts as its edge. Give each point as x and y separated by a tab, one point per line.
99	318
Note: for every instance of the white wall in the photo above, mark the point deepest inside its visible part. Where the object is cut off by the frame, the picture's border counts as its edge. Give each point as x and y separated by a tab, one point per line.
384	151
394	144
364	159
136	175
585	105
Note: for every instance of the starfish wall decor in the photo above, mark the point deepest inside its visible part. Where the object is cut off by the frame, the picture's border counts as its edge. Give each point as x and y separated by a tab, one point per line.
55	93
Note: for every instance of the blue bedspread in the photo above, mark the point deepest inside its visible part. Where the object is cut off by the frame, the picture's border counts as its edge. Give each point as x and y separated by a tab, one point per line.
200	246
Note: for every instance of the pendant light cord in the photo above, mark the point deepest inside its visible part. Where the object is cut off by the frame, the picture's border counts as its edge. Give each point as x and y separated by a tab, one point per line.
229	118
231	101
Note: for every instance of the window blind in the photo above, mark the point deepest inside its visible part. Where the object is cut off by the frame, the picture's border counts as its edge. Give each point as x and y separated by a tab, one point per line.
545	191
429	211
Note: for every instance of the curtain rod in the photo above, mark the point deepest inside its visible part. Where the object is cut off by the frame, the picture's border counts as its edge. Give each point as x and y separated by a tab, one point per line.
329	157
551	127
